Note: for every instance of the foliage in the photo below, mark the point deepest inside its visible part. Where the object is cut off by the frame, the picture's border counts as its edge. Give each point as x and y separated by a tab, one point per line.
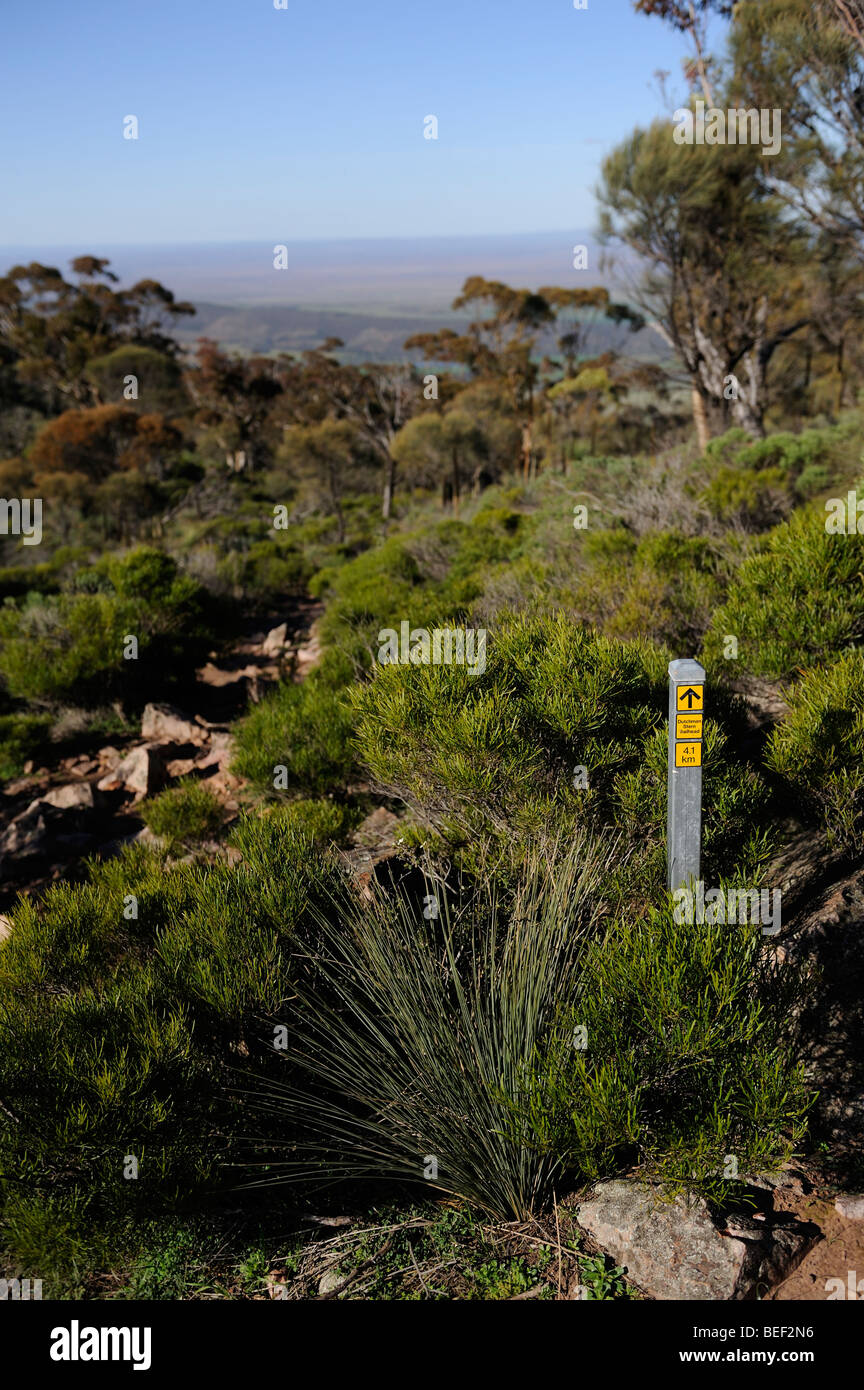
23	737
817	749
118	1030
496	755
71	647
301	728
417	1021
686	1058
795	601
184	814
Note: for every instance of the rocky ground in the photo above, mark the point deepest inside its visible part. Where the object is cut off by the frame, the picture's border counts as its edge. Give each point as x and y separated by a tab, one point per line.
52	818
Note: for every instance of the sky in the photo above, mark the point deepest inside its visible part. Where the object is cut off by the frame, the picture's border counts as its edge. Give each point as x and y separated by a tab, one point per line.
307	122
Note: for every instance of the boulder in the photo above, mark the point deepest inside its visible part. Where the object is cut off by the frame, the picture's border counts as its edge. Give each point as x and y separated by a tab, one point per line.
73	796
276	641
142	771
165	724
676	1250
219	753
180	767
30	834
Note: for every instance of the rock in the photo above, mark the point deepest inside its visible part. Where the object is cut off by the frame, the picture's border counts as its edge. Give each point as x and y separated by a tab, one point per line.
275	641
5	927
851	1205
74	795
219	753
165	724
25	835
676	1250
180	767
32	834
788	1178
331	1281
142	771
376	838
308	655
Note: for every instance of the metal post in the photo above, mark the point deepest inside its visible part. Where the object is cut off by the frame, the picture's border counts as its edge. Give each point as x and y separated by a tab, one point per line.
684	824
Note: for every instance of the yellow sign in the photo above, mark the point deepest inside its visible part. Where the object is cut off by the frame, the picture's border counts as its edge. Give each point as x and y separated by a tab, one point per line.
688	726
689	697
688	754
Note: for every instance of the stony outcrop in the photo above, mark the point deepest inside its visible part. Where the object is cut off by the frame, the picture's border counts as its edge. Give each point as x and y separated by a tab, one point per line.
165	724
681	1250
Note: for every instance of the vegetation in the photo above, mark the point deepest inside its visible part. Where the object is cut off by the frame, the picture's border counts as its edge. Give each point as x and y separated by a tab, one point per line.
402	941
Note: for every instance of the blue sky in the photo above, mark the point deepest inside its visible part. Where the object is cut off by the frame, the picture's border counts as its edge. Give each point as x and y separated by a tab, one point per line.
308	122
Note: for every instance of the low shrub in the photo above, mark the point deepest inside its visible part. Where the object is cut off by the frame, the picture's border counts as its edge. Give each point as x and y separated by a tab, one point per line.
818	749
22	737
70	648
798	600
439	1048
297	738
673	1053
563	728
416	1022
126	1005
663	586
183	815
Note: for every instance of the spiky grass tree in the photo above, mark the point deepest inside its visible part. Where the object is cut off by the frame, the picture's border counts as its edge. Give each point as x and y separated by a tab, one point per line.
416	1023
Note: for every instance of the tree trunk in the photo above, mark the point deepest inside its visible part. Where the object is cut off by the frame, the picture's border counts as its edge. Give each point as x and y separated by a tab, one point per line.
526	450
700	419
389	487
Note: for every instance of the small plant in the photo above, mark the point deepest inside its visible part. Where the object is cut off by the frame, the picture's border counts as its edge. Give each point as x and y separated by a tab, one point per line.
183	815
673	1053
23	738
601	1284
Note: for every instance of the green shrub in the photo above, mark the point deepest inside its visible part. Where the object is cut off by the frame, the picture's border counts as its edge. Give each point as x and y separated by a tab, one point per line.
663	586
22	737
494	755
184	814
119	1032
302	728
447	1039
321	821
819	748
752	498
70	648
684	1058
797	601
267	571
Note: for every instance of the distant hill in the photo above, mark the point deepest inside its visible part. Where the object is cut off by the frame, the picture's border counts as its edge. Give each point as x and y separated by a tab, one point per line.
372	293
289	328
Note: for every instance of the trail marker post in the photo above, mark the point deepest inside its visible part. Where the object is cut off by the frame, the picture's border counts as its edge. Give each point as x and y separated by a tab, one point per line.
684	824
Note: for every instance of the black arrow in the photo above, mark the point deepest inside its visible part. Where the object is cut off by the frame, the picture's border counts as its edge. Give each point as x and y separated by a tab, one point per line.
690	695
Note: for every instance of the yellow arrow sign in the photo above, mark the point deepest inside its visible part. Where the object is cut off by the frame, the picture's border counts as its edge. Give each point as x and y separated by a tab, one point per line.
689	697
